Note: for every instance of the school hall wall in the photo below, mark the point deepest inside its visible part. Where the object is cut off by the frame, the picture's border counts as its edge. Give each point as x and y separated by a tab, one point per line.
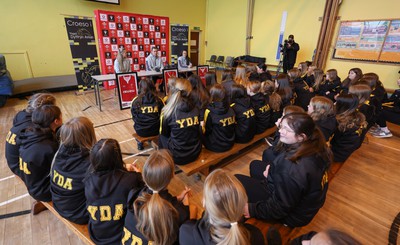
367	10
226	30
34	39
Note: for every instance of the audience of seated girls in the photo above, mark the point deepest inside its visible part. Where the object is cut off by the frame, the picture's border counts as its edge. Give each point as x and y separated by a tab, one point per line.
70	166
263	73
21	121
224	199
146	110
227	83
38	145
331	86
301	89
154	215
354	75
363	92
180	125
291	188
322	111
283	88
390	112
106	189
199	94
240	76
211	79
219	122
260	105
246	124
348	135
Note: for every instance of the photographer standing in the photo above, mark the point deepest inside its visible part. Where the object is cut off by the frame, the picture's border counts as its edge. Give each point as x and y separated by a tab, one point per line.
289	51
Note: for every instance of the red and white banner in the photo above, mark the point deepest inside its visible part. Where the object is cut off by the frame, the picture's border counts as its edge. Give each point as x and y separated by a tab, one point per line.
127	88
201	72
167	74
137	33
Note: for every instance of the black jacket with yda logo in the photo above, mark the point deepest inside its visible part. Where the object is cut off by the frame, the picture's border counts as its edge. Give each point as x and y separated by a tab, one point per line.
21	121
67	188
146	111
263	112
180	133
38	146
219	127
106	198
246	125
132	235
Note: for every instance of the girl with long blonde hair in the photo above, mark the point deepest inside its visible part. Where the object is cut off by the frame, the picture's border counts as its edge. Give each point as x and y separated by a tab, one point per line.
224	200
122	64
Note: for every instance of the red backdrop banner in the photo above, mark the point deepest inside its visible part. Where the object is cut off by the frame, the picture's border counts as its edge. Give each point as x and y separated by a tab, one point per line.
137	33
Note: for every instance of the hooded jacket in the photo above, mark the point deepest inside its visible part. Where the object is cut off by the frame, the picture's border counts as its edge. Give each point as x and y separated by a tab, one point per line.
303	94
106	197
296	190
67	188
180	133
38	146
146	111
130	232
197	232
263	112
343	144
21	121
246	125
219	127
327	126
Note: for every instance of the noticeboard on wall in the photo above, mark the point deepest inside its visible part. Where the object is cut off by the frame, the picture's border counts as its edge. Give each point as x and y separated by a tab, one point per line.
371	41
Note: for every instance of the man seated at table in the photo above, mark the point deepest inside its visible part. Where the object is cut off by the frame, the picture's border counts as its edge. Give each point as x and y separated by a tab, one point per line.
154	63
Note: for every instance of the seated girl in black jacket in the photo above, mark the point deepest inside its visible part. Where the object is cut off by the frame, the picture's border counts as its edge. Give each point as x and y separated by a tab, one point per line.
219	122
38	145
260	105
246	124
153	213
301	89
350	131
146	110
322	111
292	188
224	199
106	189
70	166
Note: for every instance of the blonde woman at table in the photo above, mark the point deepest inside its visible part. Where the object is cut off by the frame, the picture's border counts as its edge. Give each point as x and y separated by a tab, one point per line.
122	64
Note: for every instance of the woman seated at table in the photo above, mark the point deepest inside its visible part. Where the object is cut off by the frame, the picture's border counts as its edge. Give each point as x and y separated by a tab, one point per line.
291	188
184	61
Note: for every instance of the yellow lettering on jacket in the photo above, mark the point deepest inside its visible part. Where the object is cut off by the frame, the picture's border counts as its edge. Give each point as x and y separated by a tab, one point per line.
61	181
23	166
264	108
106	213
11	138
135	240
187	122
324	180
149	109
227	121
249	113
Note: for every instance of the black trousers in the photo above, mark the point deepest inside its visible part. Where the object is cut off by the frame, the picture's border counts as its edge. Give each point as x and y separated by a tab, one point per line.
255	184
388	115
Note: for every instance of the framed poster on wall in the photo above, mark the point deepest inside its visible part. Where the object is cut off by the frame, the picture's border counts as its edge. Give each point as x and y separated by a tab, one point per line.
127	84
201	72
369	40
167	74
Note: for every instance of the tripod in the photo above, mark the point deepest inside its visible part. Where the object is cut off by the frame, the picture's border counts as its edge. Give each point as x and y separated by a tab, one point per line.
280	65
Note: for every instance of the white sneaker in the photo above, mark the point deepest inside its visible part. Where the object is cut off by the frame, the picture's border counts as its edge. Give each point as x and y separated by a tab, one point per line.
374	129
382	134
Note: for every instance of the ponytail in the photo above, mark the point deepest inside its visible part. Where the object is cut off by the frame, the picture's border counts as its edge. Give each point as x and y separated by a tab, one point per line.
157	219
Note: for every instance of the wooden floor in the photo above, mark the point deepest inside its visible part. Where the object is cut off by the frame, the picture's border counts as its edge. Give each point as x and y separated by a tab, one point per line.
363	199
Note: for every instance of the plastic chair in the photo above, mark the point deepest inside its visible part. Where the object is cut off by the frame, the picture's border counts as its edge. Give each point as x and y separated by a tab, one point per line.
229	62
212	59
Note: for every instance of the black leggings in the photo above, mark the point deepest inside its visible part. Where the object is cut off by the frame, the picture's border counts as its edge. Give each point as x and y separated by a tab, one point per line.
388	115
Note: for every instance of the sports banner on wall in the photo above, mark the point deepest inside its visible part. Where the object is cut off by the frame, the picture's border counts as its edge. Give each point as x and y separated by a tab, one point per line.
83	49
179	41
136	33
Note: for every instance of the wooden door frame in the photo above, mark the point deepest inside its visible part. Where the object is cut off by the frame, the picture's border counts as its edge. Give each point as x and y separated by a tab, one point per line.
199	49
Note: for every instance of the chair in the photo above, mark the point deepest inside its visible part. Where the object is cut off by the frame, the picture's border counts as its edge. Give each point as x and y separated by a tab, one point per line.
229	62
212	59
220	60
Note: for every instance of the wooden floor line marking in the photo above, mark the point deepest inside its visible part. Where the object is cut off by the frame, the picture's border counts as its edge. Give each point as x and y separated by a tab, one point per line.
6	178
126	140
138	153
13	199
387	147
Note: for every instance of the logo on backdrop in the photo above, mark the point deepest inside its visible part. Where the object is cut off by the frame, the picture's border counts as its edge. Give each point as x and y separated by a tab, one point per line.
179	41
83	49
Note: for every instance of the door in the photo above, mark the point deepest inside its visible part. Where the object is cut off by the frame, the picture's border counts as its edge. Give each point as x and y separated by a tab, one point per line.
194	47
